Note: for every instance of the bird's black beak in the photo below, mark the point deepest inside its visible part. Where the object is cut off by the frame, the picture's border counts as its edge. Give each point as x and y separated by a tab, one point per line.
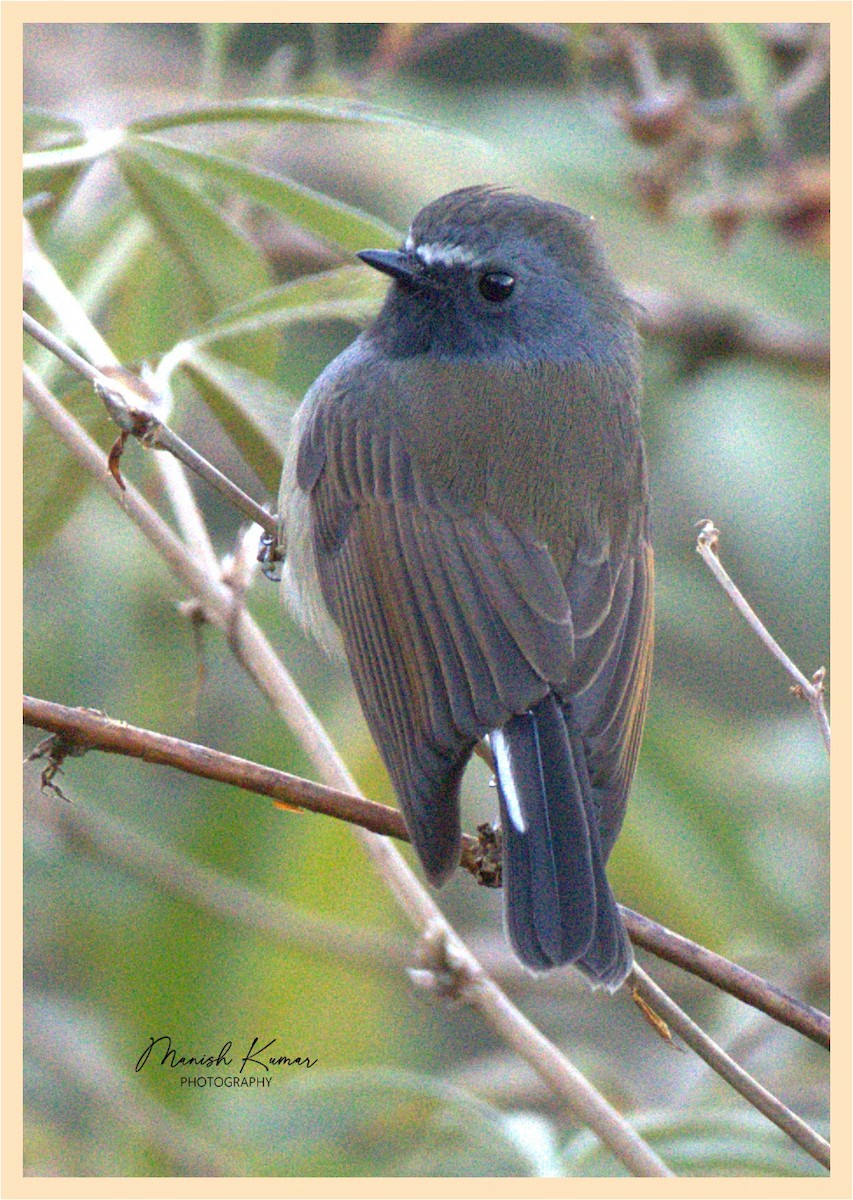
391	262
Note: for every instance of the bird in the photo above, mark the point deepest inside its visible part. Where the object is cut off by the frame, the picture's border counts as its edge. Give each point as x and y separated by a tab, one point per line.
464	513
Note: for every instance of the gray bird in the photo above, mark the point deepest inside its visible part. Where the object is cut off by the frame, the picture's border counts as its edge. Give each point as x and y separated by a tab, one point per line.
465	513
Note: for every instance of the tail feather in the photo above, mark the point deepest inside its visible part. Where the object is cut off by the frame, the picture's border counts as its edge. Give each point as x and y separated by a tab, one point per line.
558	903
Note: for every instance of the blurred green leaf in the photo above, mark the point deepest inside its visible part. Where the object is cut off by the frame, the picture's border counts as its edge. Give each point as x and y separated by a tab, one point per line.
346	294
326	218
253	411
376	1122
54	482
713	1142
220	262
46	131
276	111
215	38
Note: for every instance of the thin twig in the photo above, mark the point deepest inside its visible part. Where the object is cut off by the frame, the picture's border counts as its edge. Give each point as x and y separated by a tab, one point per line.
85	728
253	650
127	400
728	1069
727	976
707	545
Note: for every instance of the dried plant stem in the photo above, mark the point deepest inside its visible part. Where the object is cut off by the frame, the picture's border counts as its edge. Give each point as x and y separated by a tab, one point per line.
126	402
707	545
85	728
253	651
728	1069
728	977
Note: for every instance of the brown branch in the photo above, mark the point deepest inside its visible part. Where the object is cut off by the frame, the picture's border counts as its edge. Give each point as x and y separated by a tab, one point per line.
88	729
256	655
727	976
84	728
707	329
725	1066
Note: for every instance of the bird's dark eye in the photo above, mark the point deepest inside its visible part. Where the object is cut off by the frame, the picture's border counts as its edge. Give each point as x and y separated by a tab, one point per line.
496	286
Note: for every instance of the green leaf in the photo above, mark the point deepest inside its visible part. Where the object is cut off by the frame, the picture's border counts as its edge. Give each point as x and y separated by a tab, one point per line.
729	1141
345	294
375	1122
282	110
45	131
54	482
326	218
751	66
222	266
221	263
254	412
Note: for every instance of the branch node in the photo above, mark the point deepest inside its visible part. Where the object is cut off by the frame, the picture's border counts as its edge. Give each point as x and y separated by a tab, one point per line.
442	971
55	749
708	537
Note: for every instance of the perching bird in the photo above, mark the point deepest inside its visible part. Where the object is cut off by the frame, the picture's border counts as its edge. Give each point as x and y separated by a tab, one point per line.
465	509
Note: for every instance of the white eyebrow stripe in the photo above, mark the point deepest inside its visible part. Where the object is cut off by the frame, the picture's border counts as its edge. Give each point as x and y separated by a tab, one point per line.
446	254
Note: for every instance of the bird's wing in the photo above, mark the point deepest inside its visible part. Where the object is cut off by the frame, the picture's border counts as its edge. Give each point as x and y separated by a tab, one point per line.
451	622
606	699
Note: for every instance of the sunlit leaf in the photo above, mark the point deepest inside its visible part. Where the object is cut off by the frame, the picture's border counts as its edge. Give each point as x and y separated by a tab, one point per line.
284	110
44	130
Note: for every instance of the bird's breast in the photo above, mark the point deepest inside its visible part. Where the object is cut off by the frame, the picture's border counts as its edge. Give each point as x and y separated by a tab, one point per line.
547	448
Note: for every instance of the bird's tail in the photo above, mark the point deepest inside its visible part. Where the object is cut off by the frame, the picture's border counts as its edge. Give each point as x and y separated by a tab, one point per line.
558	903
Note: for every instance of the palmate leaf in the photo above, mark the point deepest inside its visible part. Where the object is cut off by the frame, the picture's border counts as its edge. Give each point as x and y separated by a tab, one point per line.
331	220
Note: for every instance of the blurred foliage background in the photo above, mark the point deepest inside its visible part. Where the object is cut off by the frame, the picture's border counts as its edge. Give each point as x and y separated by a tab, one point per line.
223	237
